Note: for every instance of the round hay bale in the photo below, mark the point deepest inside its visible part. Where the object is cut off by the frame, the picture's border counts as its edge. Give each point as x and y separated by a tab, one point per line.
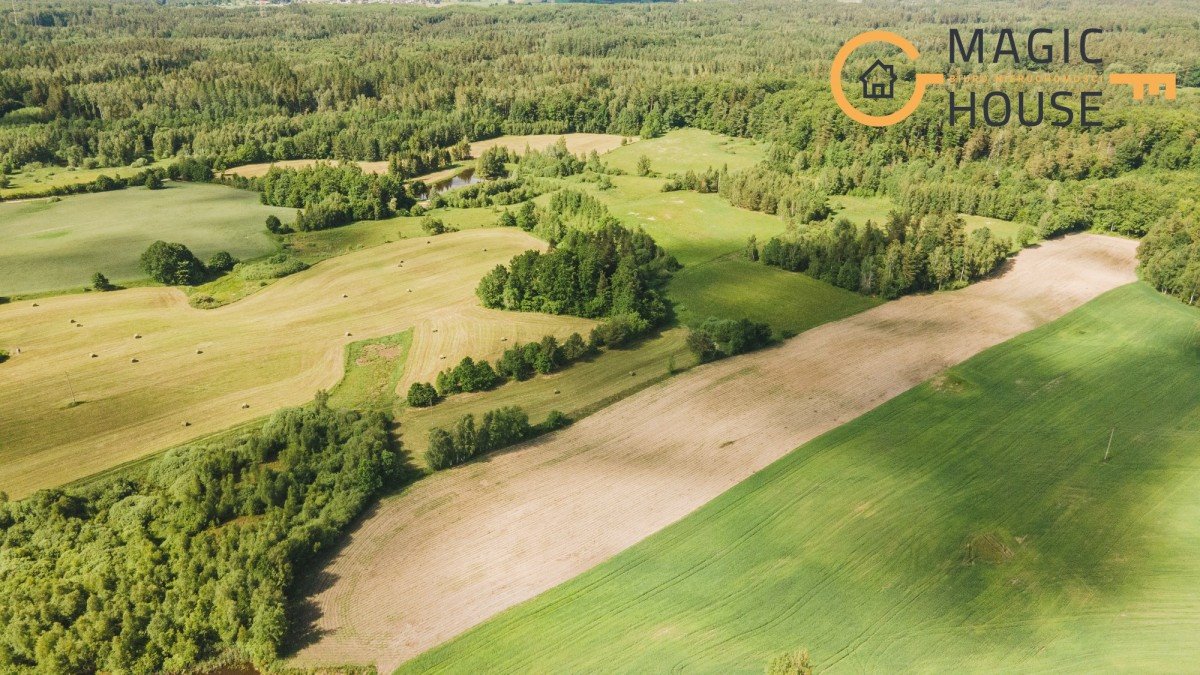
557	391
72	320
348	334
94	355
245	406
79	325
199	351
133	360
632	373
35	304
187	424
344	295
137	336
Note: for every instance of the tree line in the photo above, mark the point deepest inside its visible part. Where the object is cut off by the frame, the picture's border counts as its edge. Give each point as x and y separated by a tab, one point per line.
191	558
498	429
908	254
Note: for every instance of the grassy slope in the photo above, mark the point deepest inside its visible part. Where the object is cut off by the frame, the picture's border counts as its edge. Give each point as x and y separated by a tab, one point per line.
688	150
59	244
862	209
967	525
49	177
735	287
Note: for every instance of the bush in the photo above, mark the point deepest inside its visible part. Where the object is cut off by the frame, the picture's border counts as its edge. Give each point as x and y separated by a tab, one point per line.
422	395
791	663
3	355
221	262
555	419
434	226
172	264
101	283
276	226
617	331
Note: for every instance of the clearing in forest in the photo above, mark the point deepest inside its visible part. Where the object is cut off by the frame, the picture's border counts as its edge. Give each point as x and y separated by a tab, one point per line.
472	541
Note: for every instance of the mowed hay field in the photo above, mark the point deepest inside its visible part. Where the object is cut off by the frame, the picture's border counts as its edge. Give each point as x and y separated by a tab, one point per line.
970	525
469	542
53	245
272	349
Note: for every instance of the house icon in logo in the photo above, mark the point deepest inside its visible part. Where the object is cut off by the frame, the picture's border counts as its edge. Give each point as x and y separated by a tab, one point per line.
878	80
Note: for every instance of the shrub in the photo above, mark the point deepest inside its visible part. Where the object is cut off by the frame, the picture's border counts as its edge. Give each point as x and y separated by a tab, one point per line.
221	262
791	663
3	355
101	283
172	264
276	226
617	331
555	419
433	226
422	395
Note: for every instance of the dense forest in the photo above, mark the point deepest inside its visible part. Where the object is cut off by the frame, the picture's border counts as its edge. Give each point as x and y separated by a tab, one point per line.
88	84
192	558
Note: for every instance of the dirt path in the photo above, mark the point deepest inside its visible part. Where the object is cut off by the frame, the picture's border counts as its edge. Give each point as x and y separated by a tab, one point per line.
471	542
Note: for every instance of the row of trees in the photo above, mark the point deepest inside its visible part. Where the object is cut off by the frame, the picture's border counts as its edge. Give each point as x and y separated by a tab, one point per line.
519	362
1170	256
192	557
906	255
500	192
498	429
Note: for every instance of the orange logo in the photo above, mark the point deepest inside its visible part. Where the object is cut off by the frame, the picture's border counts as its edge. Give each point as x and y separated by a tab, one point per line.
839	62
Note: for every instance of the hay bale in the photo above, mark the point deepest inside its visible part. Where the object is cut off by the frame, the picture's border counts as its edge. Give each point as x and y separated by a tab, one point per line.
410	290
504	339
94	355
133	360
245	406
344	295
199	351
35	304
187	424
137	336
72	320
557	391
633	373
348	334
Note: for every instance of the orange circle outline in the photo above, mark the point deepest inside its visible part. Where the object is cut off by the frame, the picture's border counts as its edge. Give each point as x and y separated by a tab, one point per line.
839	62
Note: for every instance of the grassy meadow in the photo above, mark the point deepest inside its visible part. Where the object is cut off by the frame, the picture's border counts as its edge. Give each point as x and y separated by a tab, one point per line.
861	209
971	524
734	287
683	150
58	244
46	178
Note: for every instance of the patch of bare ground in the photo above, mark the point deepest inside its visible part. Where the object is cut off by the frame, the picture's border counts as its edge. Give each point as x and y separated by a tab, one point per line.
467	543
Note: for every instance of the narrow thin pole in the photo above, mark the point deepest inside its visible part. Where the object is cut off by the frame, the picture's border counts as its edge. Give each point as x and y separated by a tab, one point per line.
1110	437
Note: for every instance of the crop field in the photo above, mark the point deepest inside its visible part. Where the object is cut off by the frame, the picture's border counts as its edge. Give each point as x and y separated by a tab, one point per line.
70	414
968	523
470	542
685	150
54	245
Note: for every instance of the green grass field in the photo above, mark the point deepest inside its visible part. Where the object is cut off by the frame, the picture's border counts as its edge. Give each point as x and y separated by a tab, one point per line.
970	524
49	177
55	245
688	150
373	369
314	246
736	288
